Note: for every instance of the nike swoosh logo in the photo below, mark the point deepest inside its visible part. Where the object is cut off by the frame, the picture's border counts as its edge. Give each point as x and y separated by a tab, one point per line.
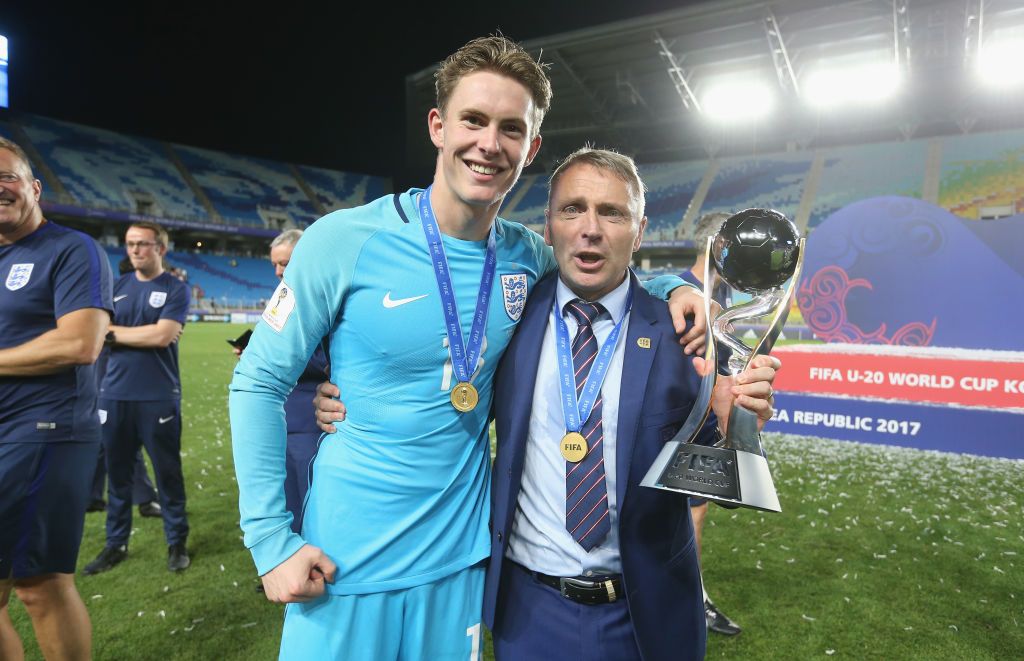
118	298
163	420
393	303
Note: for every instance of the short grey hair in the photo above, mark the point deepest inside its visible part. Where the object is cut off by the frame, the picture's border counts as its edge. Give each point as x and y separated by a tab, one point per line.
290	237
707	226
620	165
19	153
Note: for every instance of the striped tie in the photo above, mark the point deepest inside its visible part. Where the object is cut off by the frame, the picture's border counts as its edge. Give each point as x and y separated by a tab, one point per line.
586	496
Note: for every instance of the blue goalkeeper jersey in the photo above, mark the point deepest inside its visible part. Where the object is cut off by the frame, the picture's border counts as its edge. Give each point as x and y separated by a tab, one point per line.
400	492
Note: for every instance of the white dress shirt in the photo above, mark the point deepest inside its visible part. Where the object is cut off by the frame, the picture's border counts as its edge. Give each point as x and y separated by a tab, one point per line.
539	540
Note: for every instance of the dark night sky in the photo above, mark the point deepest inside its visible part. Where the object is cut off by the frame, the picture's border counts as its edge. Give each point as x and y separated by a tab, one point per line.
291	82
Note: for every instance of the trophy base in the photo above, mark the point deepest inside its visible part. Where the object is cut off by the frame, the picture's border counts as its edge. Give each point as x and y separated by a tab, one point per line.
730	477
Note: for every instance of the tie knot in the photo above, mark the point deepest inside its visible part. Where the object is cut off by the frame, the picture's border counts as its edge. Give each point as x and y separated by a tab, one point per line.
585	313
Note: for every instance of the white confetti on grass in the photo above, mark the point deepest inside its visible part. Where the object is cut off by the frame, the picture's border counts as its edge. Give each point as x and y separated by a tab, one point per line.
808	617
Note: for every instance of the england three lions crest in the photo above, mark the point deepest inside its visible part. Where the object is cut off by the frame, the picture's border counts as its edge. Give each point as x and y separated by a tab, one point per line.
513	292
20	274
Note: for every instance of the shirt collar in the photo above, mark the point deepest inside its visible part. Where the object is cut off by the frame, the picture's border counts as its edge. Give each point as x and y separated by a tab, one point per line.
614	301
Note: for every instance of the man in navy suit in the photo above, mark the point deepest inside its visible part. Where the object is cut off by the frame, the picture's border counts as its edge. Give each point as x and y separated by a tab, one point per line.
585	563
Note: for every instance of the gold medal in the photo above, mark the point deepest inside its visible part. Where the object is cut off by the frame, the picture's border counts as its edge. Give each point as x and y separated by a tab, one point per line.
574	447
464	397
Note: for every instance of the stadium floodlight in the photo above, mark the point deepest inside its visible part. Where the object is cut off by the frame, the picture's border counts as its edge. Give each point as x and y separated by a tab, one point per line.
3	72
999	62
738	100
839	86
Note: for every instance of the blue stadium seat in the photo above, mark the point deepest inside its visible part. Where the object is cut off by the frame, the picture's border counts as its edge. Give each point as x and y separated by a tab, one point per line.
342	190
230	281
851	174
106	170
670	188
774	182
247	191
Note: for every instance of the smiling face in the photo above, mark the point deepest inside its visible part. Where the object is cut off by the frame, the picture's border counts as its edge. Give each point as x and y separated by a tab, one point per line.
19	198
483	141
593	227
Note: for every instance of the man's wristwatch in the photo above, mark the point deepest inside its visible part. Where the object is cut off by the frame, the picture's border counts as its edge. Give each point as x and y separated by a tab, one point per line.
109	340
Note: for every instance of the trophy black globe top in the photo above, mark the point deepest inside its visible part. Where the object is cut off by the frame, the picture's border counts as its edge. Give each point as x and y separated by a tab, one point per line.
756	249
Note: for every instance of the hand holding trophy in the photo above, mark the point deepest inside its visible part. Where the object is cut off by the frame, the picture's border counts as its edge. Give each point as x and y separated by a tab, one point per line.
756	252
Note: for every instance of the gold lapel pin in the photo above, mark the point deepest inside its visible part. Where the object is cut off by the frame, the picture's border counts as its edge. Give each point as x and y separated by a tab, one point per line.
643	342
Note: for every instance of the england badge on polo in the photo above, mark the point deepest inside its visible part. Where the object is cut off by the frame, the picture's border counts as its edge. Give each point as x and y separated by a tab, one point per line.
513	292
157	299
19	276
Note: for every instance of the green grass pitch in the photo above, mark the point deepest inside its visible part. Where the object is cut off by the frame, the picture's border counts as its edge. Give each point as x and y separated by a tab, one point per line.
880	553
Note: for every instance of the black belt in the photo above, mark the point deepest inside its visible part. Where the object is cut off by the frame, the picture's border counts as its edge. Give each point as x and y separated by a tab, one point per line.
595	590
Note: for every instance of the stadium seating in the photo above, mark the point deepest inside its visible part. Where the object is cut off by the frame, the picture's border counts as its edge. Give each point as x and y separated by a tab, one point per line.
670	188
983	175
526	202
106	170
977	176
851	174
775	182
248	191
103	171
232	282
341	190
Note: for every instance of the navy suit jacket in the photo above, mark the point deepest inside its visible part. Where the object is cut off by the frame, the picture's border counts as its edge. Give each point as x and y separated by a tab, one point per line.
661	578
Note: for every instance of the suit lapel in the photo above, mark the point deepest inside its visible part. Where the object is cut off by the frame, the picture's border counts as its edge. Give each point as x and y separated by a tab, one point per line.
525	355
636	369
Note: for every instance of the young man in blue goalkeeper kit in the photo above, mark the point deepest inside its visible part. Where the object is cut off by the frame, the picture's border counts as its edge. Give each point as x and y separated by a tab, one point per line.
55	305
418	294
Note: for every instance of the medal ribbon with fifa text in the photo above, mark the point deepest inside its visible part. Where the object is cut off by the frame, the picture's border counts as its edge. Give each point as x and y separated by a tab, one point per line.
464	357
576	411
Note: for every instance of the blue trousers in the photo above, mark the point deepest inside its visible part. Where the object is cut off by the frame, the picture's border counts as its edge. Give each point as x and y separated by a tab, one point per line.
535	622
157	426
143	490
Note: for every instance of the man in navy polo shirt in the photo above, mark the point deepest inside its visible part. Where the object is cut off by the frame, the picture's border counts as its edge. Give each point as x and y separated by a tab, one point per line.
55	304
140	396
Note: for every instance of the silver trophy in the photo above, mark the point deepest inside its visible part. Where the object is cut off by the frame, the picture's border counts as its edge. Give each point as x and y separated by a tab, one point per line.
756	252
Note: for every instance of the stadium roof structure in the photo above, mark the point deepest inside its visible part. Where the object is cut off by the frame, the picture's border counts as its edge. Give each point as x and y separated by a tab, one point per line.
637	85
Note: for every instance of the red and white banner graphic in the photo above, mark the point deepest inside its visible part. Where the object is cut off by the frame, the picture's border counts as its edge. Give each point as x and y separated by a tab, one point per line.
941	379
